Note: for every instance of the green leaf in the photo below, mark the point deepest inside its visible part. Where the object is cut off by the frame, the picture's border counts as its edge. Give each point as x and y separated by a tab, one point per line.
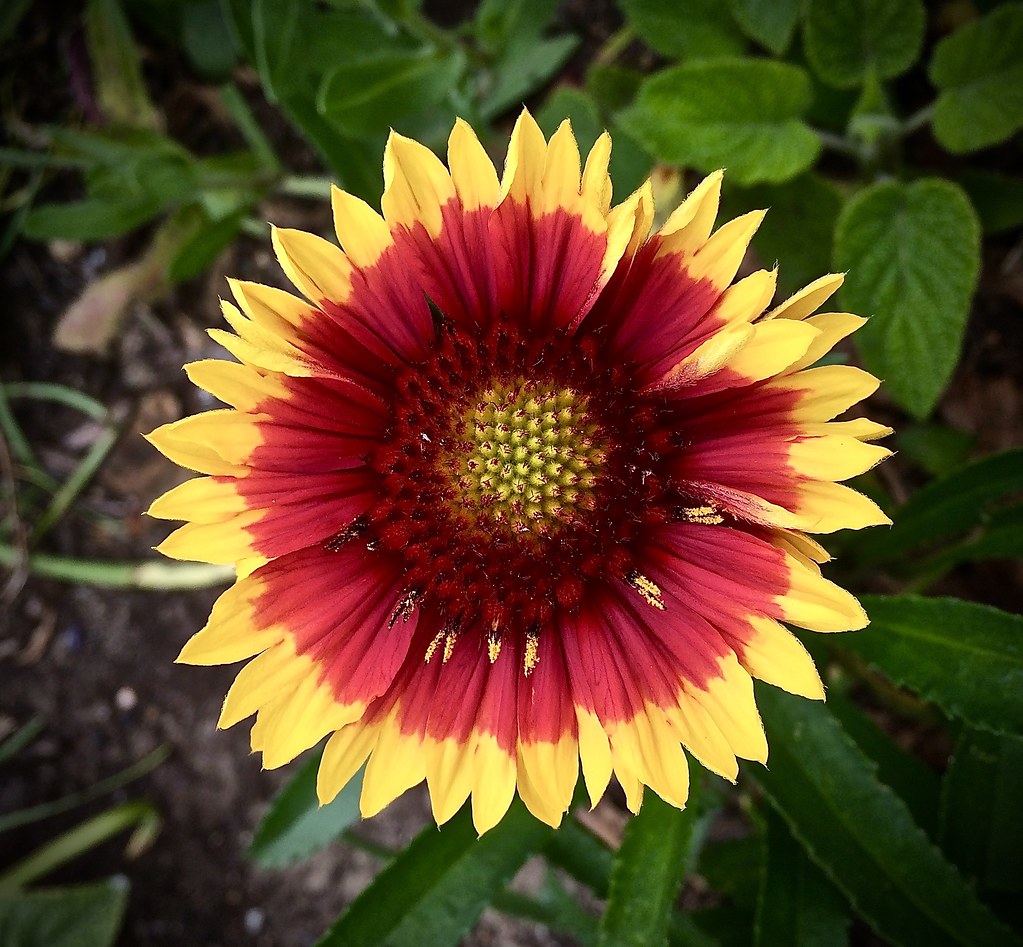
88	219
797	906
979	72
207	38
296	825
997	198
915	783
356	162
733	867
522	70
685	29
199	251
949	507
965	657
798	230
938	449
82	916
14	743
862	835
912	252
432	894
362	97
743	114
656	851
846	40
770	22
980	825
117	73
613	87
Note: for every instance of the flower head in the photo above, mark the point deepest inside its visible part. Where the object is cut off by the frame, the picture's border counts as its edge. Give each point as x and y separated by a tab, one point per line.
516	484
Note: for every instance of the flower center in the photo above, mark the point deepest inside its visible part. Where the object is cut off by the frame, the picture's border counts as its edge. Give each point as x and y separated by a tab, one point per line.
526	455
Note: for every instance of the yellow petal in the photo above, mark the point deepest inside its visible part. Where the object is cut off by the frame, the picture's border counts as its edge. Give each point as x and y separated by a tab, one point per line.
818	604
343	756
416	185
595	753
268	676
747	299
689	226
834	457
398	763
862	429
232	632
297	721
826	507
711	356
527	155
828	390
833	327
272	308
237	385
718	259
596	182
628	226
548	772
361	231
702	737
472	171
200	500
773	347
318	269
561	176
493	783
224	542
449	775
808	299
729	701
775	655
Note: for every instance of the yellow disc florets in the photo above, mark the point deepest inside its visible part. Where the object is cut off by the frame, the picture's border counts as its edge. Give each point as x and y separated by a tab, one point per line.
527	455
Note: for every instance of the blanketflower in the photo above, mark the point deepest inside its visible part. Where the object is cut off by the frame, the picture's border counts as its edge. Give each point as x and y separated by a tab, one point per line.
519	484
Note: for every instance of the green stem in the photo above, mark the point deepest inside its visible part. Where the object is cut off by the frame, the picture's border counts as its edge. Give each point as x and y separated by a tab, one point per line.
120	575
47	809
614	46
84	837
918	120
317	188
59	394
20	447
75	484
242	115
838	143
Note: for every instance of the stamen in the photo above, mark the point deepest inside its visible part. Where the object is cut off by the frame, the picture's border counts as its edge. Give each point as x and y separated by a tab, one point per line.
404	608
449	645
532	657
647	588
702	514
494	644
435	644
353	529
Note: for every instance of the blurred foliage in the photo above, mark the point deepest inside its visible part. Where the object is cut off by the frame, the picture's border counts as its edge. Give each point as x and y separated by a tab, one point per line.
85	915
884	135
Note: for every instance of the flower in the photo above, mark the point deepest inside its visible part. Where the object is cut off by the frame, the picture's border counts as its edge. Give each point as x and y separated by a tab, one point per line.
518	484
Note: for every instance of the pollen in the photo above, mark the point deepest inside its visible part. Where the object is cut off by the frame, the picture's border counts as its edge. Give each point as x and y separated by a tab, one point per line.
528	456
647	588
